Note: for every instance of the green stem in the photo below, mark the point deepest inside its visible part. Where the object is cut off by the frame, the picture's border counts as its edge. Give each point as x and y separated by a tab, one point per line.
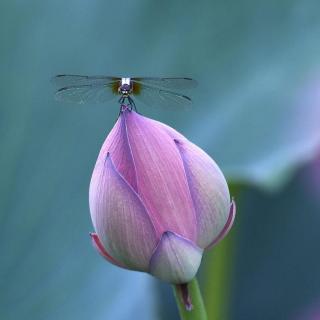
217	270
189	301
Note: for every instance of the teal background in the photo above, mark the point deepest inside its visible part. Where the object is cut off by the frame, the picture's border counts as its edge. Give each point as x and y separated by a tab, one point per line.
256	112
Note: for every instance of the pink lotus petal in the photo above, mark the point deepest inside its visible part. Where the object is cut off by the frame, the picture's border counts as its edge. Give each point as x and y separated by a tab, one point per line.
100	248
120	218
161	180
176	259
209	191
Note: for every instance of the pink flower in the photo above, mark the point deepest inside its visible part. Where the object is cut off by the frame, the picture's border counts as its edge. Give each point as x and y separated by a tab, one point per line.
157	201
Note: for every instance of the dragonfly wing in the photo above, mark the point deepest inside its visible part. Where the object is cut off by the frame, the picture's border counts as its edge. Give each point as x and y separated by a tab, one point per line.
152	96
86	93
168	83
66	80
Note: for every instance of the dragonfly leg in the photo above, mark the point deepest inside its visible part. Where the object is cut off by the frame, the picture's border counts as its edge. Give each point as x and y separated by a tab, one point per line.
121	100
122	104
132	104
128	102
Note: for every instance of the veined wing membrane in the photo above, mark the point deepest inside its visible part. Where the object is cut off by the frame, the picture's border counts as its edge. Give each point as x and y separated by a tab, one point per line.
86	93
179	84
96	89
66	80
152	96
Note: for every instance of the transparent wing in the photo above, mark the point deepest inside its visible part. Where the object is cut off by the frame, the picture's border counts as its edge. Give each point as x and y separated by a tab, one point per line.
167	83
152	96
86	93
67	80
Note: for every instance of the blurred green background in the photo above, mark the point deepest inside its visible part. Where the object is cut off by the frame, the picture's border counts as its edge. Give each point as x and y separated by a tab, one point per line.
256	112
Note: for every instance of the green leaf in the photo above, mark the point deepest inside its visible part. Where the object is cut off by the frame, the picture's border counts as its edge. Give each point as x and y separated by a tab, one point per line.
256	111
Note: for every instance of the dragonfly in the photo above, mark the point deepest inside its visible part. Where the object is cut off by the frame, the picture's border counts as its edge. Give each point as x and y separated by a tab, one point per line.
99	89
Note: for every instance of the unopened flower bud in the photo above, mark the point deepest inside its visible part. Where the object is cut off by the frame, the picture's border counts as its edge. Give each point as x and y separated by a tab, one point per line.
157	201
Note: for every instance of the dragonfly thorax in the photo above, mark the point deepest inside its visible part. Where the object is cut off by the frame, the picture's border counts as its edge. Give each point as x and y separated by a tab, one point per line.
126	87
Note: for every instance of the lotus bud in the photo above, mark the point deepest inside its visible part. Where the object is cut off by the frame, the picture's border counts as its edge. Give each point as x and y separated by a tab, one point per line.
157	201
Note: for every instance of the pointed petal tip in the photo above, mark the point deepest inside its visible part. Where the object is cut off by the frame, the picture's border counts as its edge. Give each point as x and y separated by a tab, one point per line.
227	226
108	160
